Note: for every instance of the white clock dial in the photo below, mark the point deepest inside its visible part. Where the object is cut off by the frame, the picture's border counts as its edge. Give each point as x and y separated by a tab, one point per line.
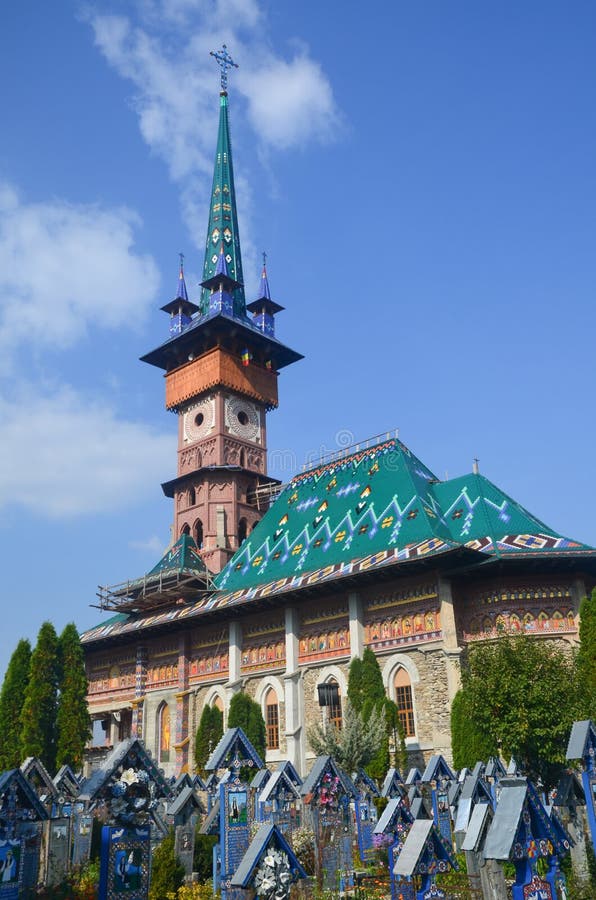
199	419
243	419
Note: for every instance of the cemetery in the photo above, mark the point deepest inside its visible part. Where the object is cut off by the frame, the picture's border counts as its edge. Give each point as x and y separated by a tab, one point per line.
128	831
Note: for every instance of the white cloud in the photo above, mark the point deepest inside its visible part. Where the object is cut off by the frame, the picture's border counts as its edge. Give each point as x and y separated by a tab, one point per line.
164	52
78	457
290	103
65	267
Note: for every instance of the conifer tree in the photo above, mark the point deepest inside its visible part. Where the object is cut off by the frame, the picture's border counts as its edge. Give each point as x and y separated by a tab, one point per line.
12	698
167	872
586	658
208	734
246	714
355	694
73	720
353	745
366	693
469	745
38	715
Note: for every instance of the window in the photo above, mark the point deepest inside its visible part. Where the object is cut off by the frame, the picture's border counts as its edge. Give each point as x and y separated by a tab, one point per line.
403	700
334	709
272	720
242	530
164	736
243	458
197	533
185	530
192	497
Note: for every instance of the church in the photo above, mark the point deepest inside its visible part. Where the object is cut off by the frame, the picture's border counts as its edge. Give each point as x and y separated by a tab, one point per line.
273	588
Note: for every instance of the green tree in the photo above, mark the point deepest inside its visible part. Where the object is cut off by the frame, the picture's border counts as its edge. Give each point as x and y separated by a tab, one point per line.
73	720
398	735
208	734
167	872
12	698
586	657
353	745
38	715
355	692
375	699
520	696
468	744
246	714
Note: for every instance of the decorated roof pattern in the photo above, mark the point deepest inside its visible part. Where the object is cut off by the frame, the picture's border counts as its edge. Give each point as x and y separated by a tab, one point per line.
222	229
381	499
182	557
378	507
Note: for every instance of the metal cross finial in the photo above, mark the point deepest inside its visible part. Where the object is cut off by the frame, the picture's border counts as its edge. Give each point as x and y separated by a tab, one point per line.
181	255
264	258
225	62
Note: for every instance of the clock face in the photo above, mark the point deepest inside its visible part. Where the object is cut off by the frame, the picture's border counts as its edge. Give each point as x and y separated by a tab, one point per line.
243	418
199	419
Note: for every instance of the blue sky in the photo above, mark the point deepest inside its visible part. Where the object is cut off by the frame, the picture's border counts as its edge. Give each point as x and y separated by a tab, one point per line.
422	175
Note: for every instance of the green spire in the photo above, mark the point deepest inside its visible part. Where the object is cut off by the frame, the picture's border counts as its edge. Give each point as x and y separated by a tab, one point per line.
222	231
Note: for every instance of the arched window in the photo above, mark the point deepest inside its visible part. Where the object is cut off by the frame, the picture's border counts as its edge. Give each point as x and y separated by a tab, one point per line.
197	533
185	530
163	732
218	702
254	524
272	719
243	458
242	530
192	496
334	715
403	700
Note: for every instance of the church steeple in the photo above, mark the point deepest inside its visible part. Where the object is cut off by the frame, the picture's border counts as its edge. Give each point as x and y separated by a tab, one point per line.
221	369
222	229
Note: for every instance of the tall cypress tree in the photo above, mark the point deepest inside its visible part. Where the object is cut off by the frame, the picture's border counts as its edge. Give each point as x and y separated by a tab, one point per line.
208	734
586	658
366	693
38	715
73	720
12	698
246	714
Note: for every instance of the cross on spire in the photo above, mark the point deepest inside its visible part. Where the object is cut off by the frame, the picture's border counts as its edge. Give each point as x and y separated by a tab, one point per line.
264	258
225	62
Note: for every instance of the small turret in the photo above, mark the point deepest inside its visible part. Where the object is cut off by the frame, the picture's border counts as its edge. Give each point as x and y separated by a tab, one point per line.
264	308
181	309
221	287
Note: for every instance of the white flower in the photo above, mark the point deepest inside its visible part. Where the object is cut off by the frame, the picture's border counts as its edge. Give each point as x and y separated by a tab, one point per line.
129	776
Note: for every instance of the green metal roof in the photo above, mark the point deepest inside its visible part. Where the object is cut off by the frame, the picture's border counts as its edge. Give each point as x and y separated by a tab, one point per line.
366	511
382	498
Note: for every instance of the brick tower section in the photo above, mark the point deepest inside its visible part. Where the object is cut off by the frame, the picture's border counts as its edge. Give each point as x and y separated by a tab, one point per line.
222	449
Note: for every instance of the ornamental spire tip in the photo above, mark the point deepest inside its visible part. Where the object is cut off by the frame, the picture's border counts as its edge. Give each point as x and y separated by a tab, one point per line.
225	62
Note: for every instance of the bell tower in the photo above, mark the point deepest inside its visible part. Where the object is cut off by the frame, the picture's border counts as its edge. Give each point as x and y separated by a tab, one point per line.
221	368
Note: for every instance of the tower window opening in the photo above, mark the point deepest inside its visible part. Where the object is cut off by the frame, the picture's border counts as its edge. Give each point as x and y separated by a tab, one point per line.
243	458
242	530
197	533
272	720
199	419
404	702
185	530
243	417
192	497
